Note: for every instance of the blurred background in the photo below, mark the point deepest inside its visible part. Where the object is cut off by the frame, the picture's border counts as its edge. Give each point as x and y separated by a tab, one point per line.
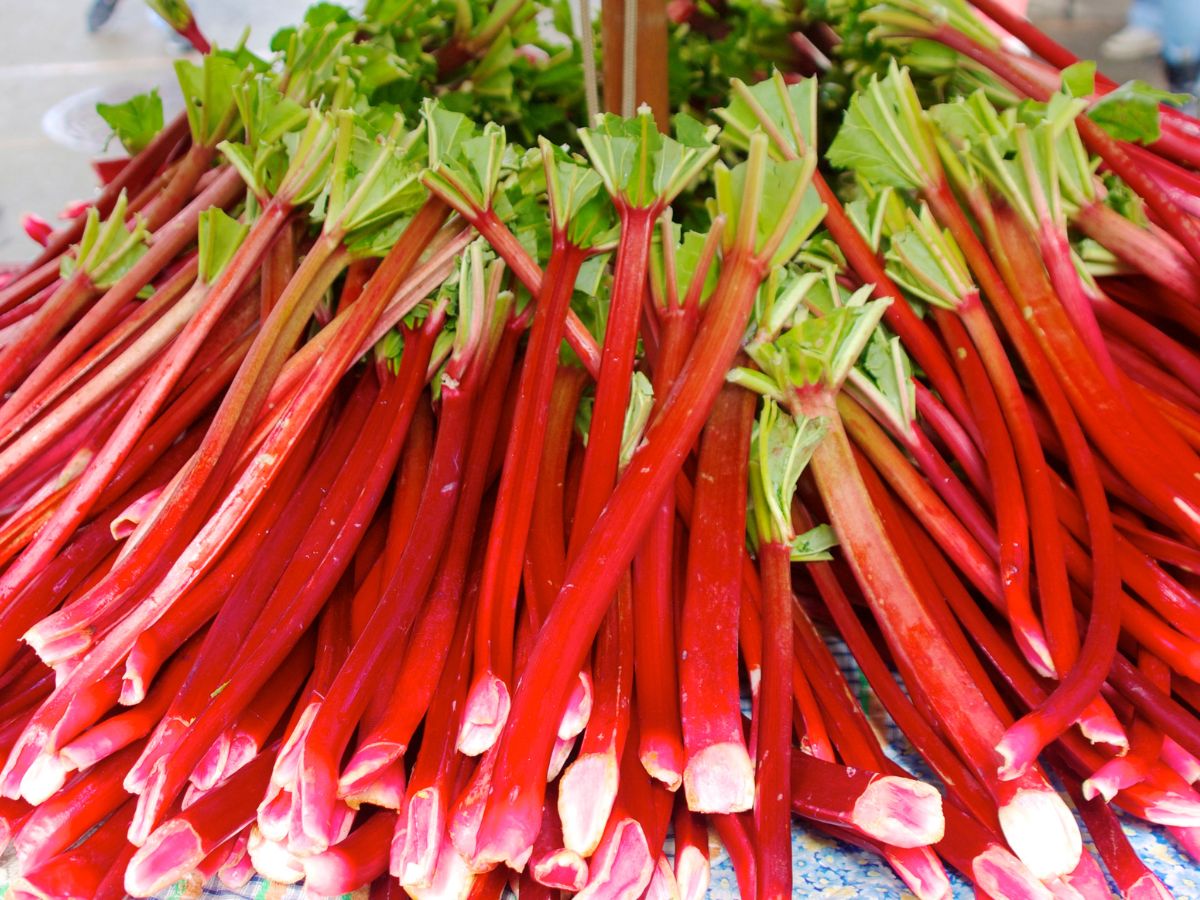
59	57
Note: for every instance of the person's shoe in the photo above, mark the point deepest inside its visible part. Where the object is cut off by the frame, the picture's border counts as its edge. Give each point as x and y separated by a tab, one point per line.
1131	42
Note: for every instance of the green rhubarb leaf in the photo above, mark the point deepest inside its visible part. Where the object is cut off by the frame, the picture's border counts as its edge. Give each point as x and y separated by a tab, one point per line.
907	18
579	208
266	114
927	262
1131	112
492	76
637	416
476	280
777	303
971	120
385	13
502	16
694	268
108	249
309	154
220	237
827	333
697	268
642	166
1079	80
883	380
134	122
313	56
780	451
208	96
877	215
787	113
770	206
885	136
465	165
374	177
814	545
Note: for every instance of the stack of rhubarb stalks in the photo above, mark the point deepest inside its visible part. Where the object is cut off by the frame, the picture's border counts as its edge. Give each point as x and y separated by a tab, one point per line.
385	503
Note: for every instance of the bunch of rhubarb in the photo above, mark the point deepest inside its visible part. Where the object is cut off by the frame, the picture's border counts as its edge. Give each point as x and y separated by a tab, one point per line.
405	483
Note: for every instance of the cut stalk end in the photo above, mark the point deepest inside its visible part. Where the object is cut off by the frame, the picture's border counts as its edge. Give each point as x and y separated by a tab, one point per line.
167	855
720	779
1000	874
43	779
366	764
900	812
1042	832
579	709
563	870
484	716
692	873
1148	887
662	758
585	799
623	868
418	839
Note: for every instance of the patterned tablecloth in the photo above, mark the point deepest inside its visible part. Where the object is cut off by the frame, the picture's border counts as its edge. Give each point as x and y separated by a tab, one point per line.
822	867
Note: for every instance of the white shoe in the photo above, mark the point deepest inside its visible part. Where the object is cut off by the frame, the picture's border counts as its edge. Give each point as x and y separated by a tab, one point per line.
1131	42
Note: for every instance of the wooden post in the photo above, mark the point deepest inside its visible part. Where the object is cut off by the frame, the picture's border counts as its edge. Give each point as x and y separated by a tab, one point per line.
650	78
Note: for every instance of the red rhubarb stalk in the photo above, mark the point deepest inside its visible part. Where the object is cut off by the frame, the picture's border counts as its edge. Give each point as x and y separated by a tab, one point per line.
513	815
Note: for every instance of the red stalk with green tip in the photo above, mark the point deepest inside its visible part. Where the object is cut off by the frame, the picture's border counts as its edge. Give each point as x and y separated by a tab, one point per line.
226	271
140	170
466	175
932	261
46	380
178	15
678	290
642	172
105	251
895	409
787	114
1033	732
334	721
779	453
765	229
1052	168
892	105
248	392
108	258
305	584
807	380
579	230
969	37
433	631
